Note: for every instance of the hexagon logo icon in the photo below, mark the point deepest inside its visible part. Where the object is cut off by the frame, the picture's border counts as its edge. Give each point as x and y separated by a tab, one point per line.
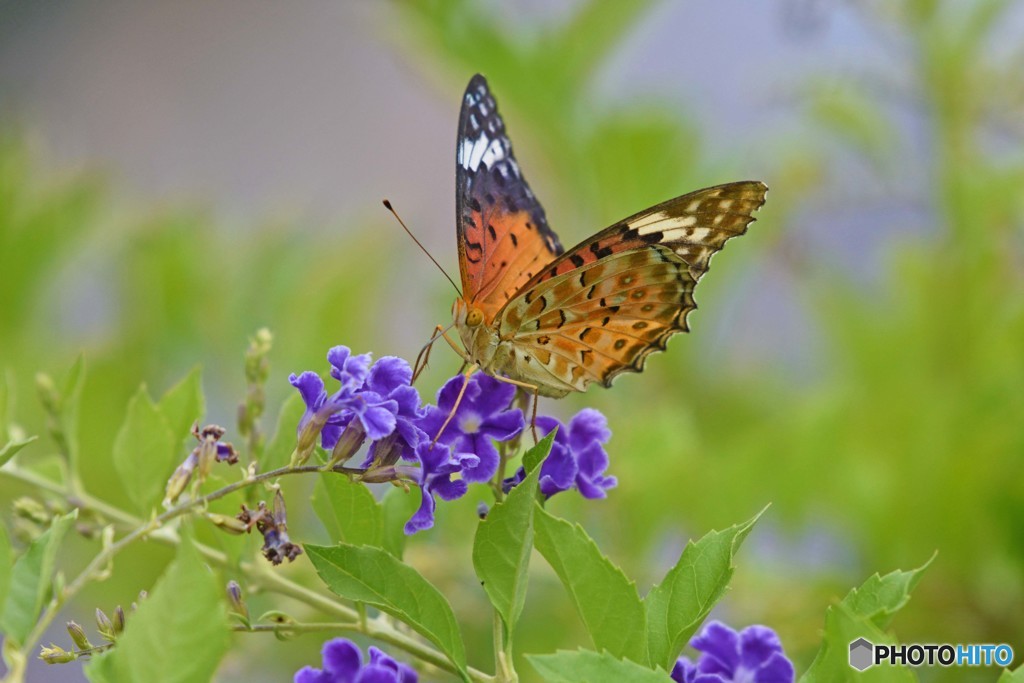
861	654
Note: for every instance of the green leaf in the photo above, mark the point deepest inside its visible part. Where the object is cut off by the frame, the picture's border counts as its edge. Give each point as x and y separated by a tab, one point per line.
178	634
145	451
677	606
1016	676
375	577
183	404
864	613
587	666
71	401
31	579
279	451
6	565
606	600
504	541
536	455
348	510
12	447
397	507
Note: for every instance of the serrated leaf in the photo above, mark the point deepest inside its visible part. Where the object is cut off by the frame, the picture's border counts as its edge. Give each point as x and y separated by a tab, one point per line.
31	579
864	613
587	666
183	404
279	450
504	541
12	447
348	510
677	606
1016	676
397	507
880	597
145	451
604	598
178	634
6	565
374	576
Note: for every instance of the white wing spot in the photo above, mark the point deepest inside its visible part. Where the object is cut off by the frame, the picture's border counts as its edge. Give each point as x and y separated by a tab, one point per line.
694	205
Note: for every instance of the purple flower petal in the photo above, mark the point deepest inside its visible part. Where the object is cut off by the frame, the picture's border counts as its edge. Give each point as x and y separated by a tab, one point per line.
308	674
757	644
719	643
558	472
487	458
587	426
378	420
777	669
350	370
388	374
684	671
493	395
448	488
310	387
341	659
423	518
505	425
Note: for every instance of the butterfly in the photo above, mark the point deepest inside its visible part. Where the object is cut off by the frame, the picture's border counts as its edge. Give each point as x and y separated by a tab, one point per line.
556	321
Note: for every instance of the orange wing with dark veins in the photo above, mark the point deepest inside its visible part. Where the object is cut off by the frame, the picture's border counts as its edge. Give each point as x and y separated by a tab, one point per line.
603	307
503	236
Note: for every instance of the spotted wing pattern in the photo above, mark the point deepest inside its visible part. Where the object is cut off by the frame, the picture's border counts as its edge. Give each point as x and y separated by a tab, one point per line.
503	235
600	309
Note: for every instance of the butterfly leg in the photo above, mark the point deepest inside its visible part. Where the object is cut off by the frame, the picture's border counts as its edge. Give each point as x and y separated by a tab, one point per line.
424	355
532	388
455	406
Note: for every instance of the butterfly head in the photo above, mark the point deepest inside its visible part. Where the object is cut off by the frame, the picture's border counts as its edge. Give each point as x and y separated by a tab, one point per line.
466	314
478	338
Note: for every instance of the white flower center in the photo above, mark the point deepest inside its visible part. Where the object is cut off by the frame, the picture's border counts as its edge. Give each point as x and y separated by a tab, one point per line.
470	423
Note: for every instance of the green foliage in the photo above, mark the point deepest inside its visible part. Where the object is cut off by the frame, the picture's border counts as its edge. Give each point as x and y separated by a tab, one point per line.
145	451
348	510
375	577
586	666
11	448
504	541
183	404
679	604
179	633
397	507
30	580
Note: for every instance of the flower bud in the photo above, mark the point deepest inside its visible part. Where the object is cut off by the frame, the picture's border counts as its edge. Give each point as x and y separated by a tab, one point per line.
232	525
56	655
78	636
118	620
104	626
349	442
235	598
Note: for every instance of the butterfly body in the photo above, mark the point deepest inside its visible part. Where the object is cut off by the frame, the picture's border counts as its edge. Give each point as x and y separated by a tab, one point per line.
558	321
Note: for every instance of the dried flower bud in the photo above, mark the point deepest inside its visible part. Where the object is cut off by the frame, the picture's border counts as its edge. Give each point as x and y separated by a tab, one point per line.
232	525
78	636
180	479
56	655
277	546
104	626
482	510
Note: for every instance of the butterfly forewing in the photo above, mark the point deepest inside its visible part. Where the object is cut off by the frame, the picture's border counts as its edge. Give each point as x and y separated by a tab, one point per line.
503	234
604	306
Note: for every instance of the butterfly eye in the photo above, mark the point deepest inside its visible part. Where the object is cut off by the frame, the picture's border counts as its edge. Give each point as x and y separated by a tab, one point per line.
475	317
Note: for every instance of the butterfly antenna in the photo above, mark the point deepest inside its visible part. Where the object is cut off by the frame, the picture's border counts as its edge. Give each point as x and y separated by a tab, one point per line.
387	205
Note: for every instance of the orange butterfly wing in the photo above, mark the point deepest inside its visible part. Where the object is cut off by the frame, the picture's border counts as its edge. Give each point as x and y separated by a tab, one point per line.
503	236
603	307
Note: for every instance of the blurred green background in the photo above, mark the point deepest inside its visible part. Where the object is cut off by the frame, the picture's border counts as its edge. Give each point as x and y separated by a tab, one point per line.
173	179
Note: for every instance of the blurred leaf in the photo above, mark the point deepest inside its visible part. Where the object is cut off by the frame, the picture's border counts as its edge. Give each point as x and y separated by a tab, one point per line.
183	404
604	598
504	541
348	510
11	448
31	578
279	451
6	402
71	401
375	577
6	565
864	613
677	606
144	451
857	120
397	507
586	666
1016	676
178	634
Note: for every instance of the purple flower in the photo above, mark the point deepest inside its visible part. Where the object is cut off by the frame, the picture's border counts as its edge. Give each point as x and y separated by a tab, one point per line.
437	465
330	414
482	417
390	379
754	655
343	663
577	456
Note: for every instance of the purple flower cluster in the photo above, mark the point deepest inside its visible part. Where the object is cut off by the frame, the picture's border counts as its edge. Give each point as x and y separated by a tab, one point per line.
343	663
754	655
453	441
577	457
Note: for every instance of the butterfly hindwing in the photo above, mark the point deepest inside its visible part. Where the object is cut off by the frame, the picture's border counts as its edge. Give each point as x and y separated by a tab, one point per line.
603	307
503	234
